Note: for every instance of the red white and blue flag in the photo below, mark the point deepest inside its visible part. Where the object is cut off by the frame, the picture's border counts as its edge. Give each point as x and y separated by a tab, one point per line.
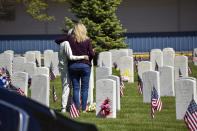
190	117
136	64
3	82
121	87
156	103
29	82
189	70
156	66
51	72
54	94
37	64
140	85
180	74
74	113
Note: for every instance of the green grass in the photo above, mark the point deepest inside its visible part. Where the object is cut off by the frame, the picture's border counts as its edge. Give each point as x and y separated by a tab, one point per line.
134	114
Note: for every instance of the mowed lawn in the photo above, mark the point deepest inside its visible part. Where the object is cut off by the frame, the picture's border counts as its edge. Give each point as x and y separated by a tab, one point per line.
134	114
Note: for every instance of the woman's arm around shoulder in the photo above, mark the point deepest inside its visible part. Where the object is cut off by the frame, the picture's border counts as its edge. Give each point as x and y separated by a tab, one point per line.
69	52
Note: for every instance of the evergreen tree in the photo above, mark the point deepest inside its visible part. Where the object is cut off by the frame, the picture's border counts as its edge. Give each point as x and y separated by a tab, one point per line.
104	29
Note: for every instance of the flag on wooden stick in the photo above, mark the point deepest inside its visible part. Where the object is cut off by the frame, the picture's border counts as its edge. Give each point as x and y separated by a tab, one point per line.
190	117
189	70
121	87
156	103
156	66
37	64
140	85
51	72
180	74
136	64
54	94
74	113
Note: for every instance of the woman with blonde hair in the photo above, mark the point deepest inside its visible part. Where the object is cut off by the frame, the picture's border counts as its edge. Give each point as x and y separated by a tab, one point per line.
80	69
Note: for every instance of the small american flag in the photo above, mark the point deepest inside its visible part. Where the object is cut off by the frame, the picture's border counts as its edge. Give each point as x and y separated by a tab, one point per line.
20	92
54	94
74	113
3	71
7	74
190	117
51	73
29	82
140	85
136	64
121	87
189	70
37	64
180	74
121	90
156	102
156	66
3	82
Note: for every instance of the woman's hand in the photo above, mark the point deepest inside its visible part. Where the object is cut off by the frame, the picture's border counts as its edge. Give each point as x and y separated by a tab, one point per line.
86	57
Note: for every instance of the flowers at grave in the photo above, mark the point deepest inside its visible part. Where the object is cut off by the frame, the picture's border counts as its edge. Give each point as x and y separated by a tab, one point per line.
92	107
116	66
126	76
105	108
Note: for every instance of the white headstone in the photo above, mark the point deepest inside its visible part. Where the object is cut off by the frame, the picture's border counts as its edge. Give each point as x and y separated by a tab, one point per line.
156	55
116	54
150	80
195	56
30	68
6	62
30	56
20	80
40	89
126	67
102	72
91	86
10	52
130	52
105	59
166	81
185	90
144	66
168	57
55	61
42	70
180	62
48	55
18	63
106	88
38	57
117	80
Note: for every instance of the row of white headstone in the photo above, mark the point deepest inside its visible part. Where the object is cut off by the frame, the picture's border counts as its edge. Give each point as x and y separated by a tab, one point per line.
22	68
163	80
167	77
108	85
122	57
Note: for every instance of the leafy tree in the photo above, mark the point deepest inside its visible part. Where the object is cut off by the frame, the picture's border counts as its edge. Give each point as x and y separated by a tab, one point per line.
104	29
37	9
